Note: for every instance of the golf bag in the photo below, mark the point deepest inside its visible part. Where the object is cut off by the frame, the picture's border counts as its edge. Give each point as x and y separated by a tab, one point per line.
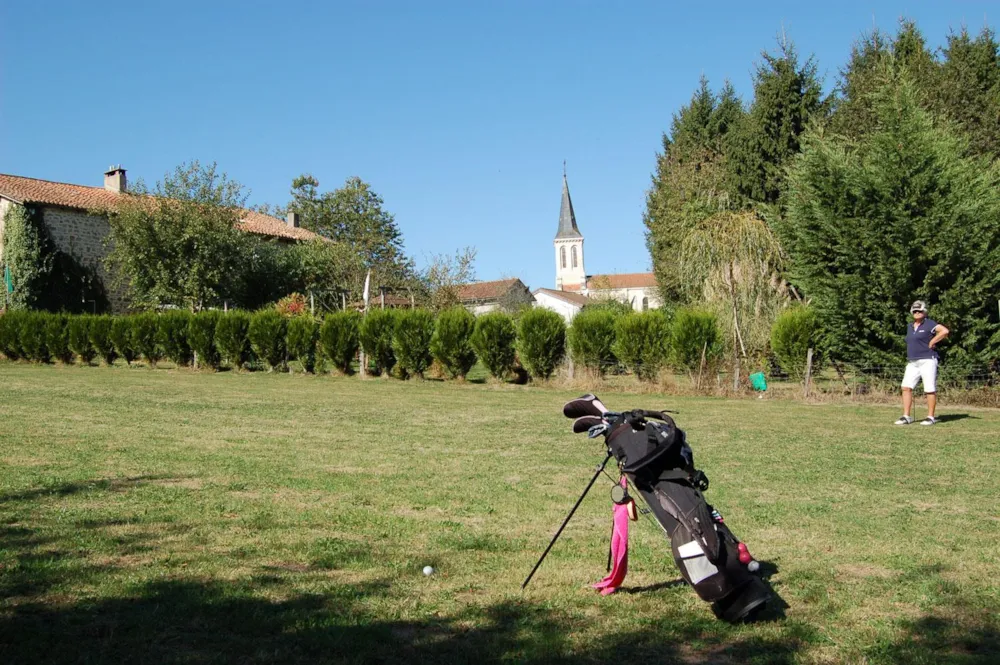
654	455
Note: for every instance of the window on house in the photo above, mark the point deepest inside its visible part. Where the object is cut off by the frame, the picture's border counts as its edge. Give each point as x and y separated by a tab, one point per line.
573	254
562	256
645	303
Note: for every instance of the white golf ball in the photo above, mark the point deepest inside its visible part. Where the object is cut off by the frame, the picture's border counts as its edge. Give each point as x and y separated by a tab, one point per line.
428	570
753	567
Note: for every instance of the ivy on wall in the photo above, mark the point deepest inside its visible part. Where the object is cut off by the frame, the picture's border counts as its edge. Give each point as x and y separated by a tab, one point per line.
38	275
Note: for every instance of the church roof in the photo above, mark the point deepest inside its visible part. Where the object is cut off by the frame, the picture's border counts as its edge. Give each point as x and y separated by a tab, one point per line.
567	220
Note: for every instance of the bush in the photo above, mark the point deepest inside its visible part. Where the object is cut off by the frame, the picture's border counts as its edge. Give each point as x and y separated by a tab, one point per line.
172	336
591	338
493	341
541	342
451	344
301	340
201	337
122	338
100	338
694	331
57	337
642	341
79	338
339	339
794	332
144	328
32	337
10	334
411	341
231	338
267	337
376	332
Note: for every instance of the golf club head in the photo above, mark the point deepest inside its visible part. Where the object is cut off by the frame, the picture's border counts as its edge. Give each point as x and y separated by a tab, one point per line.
587	405
584	423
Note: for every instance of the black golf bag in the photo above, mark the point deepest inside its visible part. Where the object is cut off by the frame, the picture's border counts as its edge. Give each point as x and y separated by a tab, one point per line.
654	455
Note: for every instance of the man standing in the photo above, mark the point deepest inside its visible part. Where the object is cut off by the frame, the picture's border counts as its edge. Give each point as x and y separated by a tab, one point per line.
921	338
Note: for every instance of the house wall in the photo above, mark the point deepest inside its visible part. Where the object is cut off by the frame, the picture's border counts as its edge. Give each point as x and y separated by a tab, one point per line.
561	307
4	205
482	307
82	236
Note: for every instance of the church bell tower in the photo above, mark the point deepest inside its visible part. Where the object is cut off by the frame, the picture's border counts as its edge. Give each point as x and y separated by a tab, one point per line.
570	275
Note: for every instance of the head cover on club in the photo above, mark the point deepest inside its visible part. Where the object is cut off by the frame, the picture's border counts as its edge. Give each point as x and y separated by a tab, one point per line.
587	405
585	424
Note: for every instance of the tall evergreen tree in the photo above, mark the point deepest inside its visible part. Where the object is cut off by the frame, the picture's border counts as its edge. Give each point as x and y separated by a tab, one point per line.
969	89
787	95
899	214
689	183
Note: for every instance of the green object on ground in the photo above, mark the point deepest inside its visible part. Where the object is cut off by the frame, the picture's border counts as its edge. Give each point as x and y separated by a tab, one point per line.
758	381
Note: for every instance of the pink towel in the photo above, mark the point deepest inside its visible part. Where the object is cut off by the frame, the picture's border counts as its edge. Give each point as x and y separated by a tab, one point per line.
619	550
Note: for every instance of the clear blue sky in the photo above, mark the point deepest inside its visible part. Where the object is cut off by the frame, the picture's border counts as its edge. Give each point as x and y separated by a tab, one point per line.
460	114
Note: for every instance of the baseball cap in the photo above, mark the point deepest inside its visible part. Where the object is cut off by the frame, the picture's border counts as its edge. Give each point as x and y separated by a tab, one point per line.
918	306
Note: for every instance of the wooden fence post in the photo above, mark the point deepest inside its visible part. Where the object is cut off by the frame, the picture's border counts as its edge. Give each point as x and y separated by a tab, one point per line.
809	371
701	367
570	367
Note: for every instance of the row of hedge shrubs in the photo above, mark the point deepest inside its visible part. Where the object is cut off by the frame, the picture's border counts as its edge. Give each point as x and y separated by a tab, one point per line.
404	342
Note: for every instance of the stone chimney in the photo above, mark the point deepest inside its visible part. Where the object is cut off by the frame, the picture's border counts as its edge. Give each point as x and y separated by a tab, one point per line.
293	219
114	179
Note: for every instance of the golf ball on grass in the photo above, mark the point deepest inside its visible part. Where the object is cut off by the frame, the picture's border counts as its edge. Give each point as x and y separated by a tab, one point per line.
428	571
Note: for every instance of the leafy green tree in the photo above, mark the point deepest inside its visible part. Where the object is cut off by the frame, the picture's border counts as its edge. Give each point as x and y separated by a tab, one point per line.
100	337
267	333
201	338
451	344
493	341
339	339
57	338
541	342
122	337
642	341
144	329
79	338
231	338
968	92
302	335
378	328
787	96
446	275
592	338
411	341
178	244
902	213
694	334
795	331
172	336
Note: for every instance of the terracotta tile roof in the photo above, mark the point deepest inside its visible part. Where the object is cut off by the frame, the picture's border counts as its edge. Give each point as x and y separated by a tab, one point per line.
635	280
568	296
487	290
32	190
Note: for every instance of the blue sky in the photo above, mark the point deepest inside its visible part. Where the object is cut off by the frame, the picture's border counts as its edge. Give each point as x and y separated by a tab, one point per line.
460	114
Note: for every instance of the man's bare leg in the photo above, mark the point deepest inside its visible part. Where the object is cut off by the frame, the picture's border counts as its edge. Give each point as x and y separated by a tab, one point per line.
908	401
931	403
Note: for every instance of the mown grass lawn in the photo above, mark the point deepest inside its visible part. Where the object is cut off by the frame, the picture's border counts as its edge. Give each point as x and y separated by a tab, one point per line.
175	517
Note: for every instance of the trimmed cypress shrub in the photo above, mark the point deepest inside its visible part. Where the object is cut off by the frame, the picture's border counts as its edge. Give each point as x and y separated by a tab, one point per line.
144	328
493	341
172	336
793	333
32	337
591	338
201	338
541	342
57	338
267	337
100	338
642	341
79	338
693	331
411	341
451	344
122	337
301	340
232	338
10	335
376	333
339	338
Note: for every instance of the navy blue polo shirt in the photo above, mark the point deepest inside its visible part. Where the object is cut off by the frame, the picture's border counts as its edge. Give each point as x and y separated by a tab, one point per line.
917	340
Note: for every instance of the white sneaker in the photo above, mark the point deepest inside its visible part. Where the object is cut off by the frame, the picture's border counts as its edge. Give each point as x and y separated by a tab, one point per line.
904	420
929	420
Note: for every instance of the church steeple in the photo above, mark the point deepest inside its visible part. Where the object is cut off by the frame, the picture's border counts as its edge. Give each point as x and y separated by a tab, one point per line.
570	274
567	220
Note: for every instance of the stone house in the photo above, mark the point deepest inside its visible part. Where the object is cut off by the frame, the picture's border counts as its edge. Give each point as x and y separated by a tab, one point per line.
67	213
565	303
482	297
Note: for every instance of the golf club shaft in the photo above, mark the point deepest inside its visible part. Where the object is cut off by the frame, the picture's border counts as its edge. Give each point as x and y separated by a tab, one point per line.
566	521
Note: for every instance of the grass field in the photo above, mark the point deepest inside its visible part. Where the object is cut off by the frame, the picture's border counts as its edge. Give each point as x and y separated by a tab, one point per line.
177	517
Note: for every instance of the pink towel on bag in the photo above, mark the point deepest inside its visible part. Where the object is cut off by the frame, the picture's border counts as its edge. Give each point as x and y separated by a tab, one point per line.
619	550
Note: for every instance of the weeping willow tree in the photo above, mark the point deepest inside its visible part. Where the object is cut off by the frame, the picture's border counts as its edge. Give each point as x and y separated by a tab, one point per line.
732	262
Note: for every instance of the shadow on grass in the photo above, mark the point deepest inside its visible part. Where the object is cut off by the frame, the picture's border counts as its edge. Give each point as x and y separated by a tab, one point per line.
69	489
952	417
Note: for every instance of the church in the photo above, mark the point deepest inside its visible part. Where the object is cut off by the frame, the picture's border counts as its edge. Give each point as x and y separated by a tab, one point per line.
574	288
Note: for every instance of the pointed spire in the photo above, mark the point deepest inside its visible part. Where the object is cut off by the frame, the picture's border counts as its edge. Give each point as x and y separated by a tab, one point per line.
567	220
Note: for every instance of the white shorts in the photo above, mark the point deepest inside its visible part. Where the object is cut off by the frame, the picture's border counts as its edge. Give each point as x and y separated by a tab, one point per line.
917	370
